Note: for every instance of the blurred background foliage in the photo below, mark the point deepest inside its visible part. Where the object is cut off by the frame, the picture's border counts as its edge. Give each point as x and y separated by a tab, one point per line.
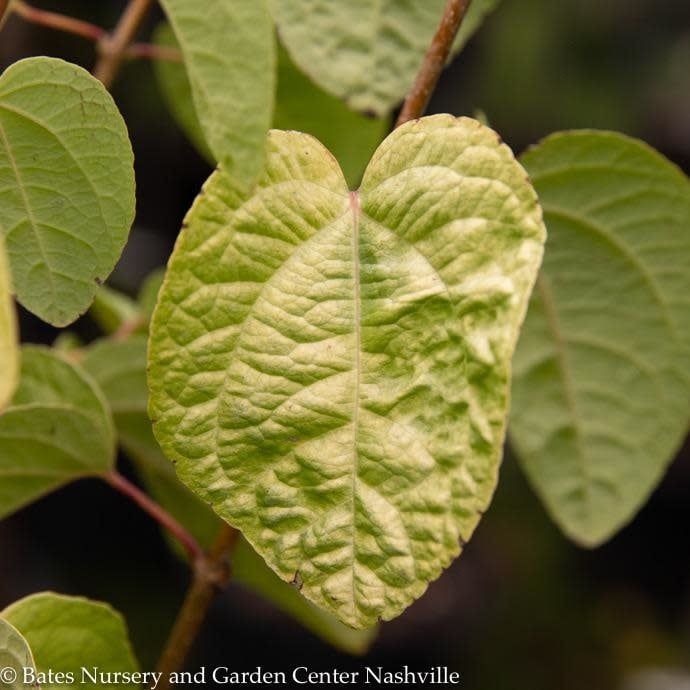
522	608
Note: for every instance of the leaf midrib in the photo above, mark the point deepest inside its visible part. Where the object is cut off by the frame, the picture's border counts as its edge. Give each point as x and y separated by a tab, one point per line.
27	206
543	287
357	328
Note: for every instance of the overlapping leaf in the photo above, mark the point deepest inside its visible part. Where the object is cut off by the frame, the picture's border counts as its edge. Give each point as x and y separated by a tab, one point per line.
66	185
67	634
56	429
229	53
15	655
329	370
177	91
300	105
120	370
601	399
9	349
366	52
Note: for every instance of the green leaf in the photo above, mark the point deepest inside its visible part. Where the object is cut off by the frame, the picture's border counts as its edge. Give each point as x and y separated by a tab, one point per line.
66	185
56	429
177	91
111	309
229	53
600	389
67	634
68	343
9	350
120	370
148	294
329	370
16	655
300	105
366	52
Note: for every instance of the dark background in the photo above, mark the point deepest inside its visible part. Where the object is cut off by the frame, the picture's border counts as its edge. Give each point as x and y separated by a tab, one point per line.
522	608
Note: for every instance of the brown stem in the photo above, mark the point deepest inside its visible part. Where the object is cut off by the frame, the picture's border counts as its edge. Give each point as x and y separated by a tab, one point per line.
91	32
434	61
113	47
57	21
211	574
151	51
3	8
127	328
157	512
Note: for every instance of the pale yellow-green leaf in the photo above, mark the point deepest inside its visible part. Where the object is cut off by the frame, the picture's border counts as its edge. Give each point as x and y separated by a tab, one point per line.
601	390
66	185
68	634
329	370
56	429
15	657
9	348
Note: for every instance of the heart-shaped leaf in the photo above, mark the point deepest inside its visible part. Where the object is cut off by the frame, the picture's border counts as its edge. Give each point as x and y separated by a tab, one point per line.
329	370
69	634
366	52
601	393
9	349
229	53
15	656
56	429
66	185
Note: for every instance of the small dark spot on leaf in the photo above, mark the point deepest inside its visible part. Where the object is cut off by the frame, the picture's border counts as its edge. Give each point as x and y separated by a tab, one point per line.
98	281
297	581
